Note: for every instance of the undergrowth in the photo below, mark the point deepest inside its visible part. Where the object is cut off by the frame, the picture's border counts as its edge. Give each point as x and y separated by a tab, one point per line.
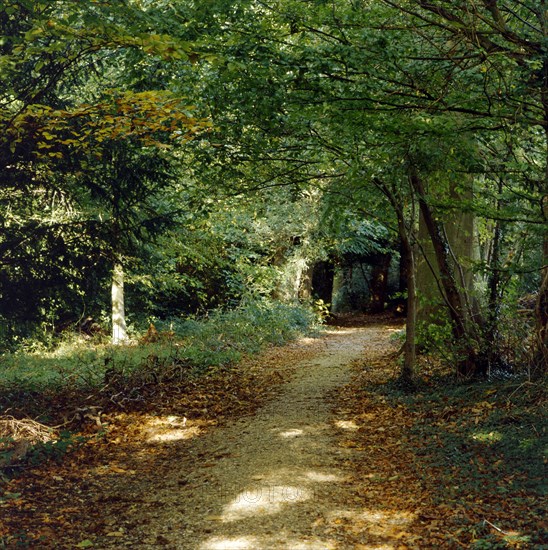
80	379
480	449
194	345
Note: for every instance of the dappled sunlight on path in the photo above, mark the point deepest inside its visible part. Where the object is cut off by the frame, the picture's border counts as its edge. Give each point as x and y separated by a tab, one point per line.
320	453
280	479
282	485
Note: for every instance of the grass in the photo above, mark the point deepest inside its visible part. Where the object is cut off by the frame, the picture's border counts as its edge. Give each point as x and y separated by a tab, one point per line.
195	345
57	386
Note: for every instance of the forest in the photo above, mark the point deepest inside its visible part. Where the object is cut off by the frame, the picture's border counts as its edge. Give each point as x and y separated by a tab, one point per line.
186	184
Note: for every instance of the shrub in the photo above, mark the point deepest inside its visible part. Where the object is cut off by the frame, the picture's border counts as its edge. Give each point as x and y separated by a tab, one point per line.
194	345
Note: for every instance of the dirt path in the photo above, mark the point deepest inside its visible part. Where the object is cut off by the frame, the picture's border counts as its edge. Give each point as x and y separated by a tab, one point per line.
272	480
274	484
307	446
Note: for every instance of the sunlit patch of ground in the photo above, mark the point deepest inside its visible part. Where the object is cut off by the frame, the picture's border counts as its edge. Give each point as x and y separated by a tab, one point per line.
265	499
237	543
382	523
266	543
320	477
170	428
347	425
291	433
295	433
155	429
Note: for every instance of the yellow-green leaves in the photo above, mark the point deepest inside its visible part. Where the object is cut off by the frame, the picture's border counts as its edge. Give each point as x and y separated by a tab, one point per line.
154	118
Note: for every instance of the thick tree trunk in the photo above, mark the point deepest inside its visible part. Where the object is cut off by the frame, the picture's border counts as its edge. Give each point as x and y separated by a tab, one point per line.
468	365
337	292
431	306
458	233
119	329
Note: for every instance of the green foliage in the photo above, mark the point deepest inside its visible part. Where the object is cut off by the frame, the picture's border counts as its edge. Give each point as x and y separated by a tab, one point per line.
33	369
218	151
352	234
81	159
507	351
491	432
490	541
193	346
435	336
6	456
225	250
55	449
31	450
246	329
321	309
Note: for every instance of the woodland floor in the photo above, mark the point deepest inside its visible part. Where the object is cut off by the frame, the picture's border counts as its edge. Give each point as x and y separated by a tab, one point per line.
295	449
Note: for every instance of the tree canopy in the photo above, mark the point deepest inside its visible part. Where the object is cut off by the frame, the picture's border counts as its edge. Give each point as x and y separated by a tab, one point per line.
221	150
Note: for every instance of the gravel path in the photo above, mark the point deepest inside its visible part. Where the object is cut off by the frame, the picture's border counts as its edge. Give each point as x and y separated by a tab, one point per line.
275	480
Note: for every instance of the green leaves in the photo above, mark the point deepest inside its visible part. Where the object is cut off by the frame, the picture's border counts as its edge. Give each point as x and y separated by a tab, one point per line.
69	118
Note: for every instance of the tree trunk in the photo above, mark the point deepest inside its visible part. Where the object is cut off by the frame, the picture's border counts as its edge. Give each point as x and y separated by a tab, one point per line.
305	289
404	264
409	355
458	233
408	268
540	358
119	329
494	280
298	269
431	306
463	334
337	294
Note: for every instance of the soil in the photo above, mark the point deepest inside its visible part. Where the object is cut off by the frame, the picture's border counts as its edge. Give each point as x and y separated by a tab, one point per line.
274	476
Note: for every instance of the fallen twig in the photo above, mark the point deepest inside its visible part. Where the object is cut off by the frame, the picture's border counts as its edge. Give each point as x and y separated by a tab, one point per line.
11	427
17	437
495	527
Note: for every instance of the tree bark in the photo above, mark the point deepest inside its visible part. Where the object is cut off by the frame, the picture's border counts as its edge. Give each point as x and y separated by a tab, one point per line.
119	329
494	280
409	350
463	334
409	269
540	357
404	264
